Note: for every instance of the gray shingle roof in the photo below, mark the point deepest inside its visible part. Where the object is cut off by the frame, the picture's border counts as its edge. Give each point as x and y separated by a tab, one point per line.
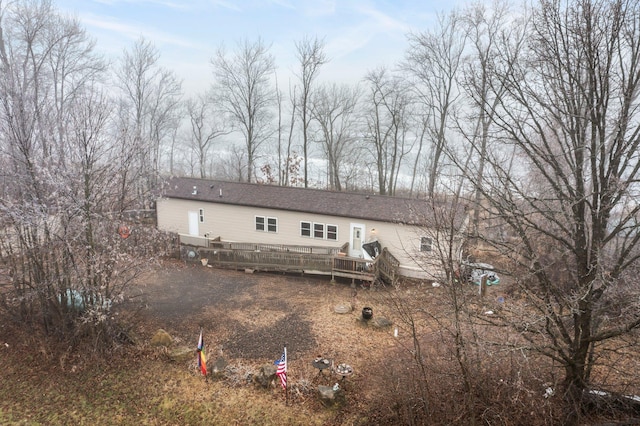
332	203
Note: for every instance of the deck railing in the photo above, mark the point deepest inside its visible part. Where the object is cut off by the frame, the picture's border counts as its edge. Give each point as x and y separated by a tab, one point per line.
267	260
291	258
387	266
282	248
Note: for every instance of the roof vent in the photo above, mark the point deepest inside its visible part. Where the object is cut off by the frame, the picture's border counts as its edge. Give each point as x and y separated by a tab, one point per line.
220	192
195	191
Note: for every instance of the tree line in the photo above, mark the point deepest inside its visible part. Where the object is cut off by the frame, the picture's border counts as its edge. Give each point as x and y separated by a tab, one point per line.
389	131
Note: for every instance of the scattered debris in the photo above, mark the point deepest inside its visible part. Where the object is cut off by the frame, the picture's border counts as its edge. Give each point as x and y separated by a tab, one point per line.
473	272
265	376
329	396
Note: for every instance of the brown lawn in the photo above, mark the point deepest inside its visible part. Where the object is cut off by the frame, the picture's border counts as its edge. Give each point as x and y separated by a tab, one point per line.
246	318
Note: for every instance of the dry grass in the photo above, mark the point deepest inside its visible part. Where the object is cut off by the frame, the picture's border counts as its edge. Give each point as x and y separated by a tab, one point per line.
246	319
43	384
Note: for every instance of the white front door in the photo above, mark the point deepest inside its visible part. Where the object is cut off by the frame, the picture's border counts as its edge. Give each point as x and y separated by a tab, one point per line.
357	238
193	223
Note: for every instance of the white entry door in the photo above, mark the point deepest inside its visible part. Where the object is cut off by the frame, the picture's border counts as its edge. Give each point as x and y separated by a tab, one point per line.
357	238
193	223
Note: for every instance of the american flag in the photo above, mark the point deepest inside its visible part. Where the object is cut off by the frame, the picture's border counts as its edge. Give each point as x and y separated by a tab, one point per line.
282	369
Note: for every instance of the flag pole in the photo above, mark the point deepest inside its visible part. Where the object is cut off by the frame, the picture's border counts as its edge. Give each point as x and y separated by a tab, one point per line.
286	389
206	376
201	353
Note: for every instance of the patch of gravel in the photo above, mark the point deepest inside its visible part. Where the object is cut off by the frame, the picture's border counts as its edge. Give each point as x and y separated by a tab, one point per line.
268	341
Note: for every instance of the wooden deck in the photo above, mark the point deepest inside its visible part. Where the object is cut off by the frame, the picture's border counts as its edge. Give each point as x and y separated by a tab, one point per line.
296	259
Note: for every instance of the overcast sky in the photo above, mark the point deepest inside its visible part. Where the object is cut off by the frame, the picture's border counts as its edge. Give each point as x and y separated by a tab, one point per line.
359	34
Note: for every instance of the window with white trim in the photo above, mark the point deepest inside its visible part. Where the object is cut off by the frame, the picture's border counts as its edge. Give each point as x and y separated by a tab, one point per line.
318	230
201	215
305	229
332	232
266	224
425	243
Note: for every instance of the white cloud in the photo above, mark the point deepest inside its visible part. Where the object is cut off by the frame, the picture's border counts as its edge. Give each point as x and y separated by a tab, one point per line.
319	8
372	22
165	3
134	31
381	22
283	3
230	5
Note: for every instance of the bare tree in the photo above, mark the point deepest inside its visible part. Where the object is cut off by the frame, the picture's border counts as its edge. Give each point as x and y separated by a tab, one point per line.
206	127
150	99
571	113
23	50
72	62
420	120
67	264
334	111
289	177
489	30
310	54
387	126
243	84
434	58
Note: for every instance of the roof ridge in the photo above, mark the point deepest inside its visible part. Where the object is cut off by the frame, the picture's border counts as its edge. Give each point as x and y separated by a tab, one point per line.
335	191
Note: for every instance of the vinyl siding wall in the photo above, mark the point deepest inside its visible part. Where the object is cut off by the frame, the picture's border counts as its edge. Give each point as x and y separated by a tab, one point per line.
237	223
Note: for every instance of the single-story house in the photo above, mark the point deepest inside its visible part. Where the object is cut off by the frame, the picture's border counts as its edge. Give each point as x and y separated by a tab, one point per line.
202	209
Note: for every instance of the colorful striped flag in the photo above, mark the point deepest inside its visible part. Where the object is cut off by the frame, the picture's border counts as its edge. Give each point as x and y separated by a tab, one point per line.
282	369
202	358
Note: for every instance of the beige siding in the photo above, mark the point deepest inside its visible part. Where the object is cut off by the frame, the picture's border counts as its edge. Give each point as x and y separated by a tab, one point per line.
403	242
237	223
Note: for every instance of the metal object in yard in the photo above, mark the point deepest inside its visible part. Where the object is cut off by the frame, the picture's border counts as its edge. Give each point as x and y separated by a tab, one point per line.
344	370
321	364
367	313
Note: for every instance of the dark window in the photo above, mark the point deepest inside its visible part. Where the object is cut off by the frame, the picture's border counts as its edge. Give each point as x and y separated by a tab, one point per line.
425	244
259	223
305	229
332	232
201	215
272	224
318	230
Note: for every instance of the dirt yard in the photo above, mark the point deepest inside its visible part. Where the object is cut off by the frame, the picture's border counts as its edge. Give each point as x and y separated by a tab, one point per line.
248	318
